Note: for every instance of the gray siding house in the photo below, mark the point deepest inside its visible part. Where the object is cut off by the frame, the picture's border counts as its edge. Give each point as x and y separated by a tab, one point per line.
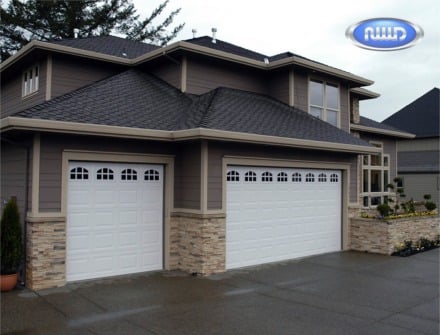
419	158
200	156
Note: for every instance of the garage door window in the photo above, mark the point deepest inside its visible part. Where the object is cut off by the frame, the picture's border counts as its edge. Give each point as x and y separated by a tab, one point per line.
233	176
105	174
282	177
322	178
129	174
310	178
79	173
333	178
296	177
266	177
151	175
250	176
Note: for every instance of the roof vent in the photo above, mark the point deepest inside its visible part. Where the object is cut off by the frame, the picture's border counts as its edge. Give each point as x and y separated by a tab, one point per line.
266	60
214	31
194	31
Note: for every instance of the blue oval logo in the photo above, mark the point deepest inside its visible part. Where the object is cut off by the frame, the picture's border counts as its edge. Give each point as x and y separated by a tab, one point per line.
384	34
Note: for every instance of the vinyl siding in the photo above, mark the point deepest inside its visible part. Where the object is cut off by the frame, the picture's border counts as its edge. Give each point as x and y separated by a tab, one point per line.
419	144
70	74
301	91
278	85
11	90
417	185
52	147
204	76
168	71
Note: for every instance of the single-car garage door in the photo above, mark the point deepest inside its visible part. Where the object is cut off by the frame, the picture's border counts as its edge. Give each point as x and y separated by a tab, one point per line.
276	214
115	219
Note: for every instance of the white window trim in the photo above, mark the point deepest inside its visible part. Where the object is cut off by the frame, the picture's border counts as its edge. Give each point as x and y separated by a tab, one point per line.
324	107
382	168
30	81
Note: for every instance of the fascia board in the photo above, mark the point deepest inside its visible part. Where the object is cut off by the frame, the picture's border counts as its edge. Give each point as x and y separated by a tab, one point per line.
359	127
11	123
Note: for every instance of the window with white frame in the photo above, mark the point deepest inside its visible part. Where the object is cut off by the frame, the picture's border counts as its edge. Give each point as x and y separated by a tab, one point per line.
324	101
375	178
30	81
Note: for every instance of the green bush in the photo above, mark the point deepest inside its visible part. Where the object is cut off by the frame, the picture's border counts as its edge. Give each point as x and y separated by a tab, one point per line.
384	210
11	250
430	206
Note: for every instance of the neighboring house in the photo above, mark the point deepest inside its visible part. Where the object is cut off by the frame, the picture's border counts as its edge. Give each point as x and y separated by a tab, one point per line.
419	158
200	156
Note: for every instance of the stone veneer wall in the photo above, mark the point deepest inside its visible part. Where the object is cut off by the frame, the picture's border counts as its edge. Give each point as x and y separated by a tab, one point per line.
198	243
381	236
45	252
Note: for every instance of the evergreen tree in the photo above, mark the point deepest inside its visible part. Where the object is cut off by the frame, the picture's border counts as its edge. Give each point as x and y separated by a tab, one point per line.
23	21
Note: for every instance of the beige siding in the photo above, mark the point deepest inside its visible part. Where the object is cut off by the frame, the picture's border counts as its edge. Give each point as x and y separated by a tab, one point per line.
11	90
419	144
345	109
417	185
13	175
278	85
52	147
204	76
168	71
301	91
69	74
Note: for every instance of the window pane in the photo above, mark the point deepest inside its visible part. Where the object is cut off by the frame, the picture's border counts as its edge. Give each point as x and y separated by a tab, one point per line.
366	181
365	160
365	201
385	161
376	160
375	201
316	93
376	184
385	180
316	112
332	118
332	97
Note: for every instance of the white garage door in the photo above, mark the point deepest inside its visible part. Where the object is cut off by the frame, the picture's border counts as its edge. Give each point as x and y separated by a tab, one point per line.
276	214
115	219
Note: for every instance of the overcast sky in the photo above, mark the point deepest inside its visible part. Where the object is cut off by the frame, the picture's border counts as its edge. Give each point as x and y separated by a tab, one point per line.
316	29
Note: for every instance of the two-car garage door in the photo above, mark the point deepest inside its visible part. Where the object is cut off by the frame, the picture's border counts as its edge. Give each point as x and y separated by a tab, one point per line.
115	219
276	214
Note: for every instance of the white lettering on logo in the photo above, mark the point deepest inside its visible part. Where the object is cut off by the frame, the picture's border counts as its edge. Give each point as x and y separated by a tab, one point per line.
385	33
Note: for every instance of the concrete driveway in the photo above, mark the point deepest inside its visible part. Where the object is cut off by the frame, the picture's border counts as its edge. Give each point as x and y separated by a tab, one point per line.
338	293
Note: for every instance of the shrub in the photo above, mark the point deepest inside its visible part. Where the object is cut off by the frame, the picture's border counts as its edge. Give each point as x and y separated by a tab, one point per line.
11	249
384	210
430	206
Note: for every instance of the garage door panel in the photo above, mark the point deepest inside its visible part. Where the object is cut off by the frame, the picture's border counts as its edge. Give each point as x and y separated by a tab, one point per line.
278	220
113	222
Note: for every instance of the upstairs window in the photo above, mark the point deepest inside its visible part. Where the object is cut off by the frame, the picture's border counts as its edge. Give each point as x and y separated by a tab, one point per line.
324	101
30	81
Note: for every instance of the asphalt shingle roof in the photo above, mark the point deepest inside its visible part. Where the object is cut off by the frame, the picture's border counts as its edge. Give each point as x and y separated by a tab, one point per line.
109	45
421	117
374	124
140	100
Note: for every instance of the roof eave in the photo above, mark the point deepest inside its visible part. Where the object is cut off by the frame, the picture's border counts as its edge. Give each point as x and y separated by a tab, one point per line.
364	94
17	123
379	131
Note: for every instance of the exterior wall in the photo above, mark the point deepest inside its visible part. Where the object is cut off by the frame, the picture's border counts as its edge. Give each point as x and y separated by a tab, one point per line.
218	150
379	236
168	70
204	76
198	243
418	184
70	74
52	147
14	167
11	89
278	85
46	253
419	144
301	87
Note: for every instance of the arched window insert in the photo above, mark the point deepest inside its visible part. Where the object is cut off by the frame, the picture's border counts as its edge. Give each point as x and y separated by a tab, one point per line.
322	178
151	175
296	177
282	177
310	178
105	174
129	174
334	178
250	176
233	176
79	173
266	176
